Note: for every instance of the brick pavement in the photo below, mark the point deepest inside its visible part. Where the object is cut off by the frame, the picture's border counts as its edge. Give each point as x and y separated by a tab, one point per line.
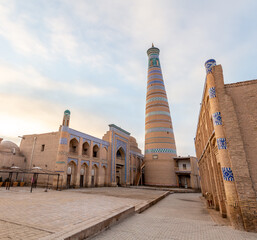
178	216
26	215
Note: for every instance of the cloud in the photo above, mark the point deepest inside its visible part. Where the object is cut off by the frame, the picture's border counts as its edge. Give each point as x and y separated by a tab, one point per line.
14	30
29	78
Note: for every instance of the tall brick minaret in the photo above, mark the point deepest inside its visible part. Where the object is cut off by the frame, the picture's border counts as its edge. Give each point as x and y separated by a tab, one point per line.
160	147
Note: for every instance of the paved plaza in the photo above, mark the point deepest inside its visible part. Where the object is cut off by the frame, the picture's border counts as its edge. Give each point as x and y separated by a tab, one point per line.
60	214
178	216
40	214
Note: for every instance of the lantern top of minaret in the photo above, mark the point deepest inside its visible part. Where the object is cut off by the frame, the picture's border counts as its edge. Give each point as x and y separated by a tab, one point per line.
153	50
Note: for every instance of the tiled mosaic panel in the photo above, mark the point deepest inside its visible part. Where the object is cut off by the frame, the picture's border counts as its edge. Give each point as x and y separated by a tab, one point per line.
217	120
221	142
73	136
153	56
160	150
154	62
156	87
157	99
227	174
159	129
155	71
104	165
157	113
121	144
73	159
155	81
86	140
209	64
212	92
95	163
63	141
155	76
85	161
98	144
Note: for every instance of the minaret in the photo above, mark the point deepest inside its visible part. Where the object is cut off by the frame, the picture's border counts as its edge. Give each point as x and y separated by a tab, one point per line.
66	118
160	147
63	149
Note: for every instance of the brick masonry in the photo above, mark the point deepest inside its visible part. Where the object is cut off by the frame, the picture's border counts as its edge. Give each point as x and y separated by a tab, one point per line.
226	147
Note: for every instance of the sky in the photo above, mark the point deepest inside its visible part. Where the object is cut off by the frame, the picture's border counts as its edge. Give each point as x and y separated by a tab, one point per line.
90	57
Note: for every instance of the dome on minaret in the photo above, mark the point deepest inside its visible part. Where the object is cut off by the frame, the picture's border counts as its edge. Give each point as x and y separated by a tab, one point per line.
67	112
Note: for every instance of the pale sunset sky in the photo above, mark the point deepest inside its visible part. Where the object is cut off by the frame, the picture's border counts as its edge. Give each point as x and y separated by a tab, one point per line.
90	57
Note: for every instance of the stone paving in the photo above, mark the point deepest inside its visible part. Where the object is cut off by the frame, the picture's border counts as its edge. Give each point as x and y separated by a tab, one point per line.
26	215
178	216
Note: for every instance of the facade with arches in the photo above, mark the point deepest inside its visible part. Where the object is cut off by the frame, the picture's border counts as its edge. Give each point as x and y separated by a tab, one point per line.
84	160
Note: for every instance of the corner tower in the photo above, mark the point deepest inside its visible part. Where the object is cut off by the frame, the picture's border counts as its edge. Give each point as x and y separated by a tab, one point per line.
160	147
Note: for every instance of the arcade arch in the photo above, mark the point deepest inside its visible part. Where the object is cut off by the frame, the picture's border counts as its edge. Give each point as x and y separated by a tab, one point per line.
86	149
74	145
84	171
71	174
94	175
120	166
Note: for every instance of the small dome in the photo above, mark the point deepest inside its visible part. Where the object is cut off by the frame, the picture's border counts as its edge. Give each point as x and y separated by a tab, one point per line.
8	145
67	112
209	64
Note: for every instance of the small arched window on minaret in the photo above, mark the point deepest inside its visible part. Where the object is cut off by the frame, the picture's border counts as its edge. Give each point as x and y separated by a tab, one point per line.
66	118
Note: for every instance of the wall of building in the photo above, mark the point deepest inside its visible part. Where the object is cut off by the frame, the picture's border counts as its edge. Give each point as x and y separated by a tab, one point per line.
225	155
40	150
243	96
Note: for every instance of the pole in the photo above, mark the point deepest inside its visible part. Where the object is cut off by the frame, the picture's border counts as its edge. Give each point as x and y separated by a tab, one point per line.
57	181
32	152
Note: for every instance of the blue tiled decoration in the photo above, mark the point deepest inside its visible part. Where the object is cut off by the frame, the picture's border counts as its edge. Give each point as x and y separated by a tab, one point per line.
155	76
221	142
98	144
160	150
73	159
227	174
73	136
86	140
156	87
209	64
158	129
95	163
212	92
157	113
217	120
155	81
154	61
63	141
104	165
155	71
85	161
157	99
78	134
121	144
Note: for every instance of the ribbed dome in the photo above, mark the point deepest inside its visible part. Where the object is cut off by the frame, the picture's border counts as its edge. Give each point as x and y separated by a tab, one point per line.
8	145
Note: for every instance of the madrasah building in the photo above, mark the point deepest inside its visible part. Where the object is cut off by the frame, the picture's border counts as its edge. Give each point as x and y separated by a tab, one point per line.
82	160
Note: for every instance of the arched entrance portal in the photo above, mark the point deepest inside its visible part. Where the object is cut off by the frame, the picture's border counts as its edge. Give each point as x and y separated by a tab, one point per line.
83	175
120	166
94	176
71	175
